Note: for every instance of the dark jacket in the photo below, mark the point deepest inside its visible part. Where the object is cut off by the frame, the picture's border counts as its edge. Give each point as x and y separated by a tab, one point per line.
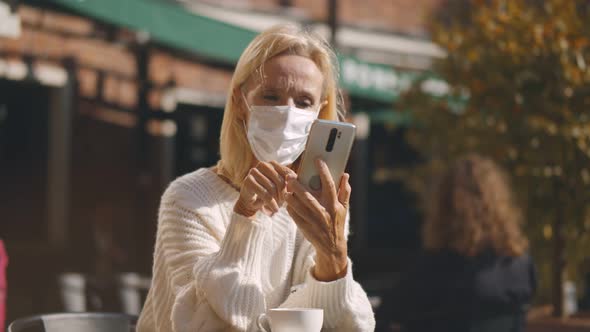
446	291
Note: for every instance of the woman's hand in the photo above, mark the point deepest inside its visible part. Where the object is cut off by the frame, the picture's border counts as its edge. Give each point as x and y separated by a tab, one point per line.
263	188
321	217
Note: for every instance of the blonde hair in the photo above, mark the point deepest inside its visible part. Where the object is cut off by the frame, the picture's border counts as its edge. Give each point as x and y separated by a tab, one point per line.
472	210
236	155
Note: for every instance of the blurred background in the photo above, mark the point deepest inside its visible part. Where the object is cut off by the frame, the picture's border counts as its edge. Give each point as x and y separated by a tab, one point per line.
105	102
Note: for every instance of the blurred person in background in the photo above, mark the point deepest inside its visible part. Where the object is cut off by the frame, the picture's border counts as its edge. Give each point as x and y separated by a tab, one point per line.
242	237
475	273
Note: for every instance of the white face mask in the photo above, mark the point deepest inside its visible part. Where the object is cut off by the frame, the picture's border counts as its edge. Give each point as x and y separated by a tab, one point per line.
279	133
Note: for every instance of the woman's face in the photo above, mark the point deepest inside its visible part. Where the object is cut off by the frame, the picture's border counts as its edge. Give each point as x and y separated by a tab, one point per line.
287	79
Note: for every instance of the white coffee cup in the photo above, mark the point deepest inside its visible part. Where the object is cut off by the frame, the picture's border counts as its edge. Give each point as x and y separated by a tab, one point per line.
292	320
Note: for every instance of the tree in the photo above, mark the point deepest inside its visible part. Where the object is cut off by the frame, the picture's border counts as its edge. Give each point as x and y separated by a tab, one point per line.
522	69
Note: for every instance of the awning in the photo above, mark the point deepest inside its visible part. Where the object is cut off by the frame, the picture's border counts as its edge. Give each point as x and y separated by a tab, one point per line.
170	25
176	27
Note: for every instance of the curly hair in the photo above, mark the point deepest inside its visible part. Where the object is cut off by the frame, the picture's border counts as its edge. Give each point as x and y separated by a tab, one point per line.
473	210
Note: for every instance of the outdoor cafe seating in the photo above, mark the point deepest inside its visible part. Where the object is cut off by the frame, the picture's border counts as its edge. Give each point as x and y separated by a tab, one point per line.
91	304
75	322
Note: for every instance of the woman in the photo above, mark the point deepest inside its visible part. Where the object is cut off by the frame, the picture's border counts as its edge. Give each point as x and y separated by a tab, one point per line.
475	274
245	236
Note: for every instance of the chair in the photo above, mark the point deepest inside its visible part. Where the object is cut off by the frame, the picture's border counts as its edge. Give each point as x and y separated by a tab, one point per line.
124	292
133	289
75	322
73	288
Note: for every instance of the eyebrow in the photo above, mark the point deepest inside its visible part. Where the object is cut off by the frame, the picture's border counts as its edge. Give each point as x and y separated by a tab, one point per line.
307	92
268	89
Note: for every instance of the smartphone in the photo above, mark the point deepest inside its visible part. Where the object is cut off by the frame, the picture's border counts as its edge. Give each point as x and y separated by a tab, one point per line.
331	141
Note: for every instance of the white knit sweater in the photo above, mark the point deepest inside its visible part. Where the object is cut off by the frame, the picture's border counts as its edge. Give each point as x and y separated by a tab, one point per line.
215	270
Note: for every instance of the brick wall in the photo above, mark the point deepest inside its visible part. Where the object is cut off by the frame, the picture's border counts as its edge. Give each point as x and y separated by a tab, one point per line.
403	16
399	16
51	37
165	67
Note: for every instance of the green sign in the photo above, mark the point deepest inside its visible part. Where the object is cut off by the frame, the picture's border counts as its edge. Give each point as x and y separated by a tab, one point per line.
372	81
383	83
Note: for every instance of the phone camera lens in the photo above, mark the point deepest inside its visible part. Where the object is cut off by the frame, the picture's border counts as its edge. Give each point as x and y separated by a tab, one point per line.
331	140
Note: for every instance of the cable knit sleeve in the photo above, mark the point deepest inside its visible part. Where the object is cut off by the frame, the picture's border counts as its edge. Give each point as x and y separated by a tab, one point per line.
206	270
345	303
230	279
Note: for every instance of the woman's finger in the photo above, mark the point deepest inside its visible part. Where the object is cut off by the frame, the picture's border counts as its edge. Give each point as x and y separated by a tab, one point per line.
262	194
263	180
271	173
295	203
344	190
307	198
328	187
282	170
